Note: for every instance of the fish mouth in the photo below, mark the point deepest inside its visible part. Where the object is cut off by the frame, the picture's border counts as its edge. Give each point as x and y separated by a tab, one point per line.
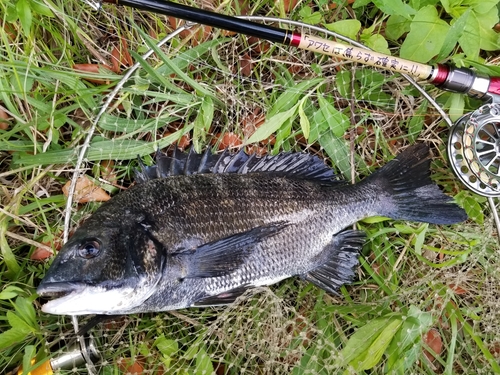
59	289
79	298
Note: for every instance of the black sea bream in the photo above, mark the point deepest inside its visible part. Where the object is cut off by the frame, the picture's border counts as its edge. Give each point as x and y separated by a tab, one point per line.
198	230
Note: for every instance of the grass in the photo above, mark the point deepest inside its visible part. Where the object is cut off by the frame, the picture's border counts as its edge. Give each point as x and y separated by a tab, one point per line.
426	296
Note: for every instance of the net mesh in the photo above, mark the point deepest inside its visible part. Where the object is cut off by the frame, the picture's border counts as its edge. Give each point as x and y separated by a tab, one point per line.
425	298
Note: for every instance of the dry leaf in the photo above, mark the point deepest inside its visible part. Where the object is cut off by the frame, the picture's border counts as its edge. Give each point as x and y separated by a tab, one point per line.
4	120
434	341
253	149
41	253
126	58
289	5
246	65
228	140
183	141
128	366
107	171
86	191
93	68
251	122
115	60
457	289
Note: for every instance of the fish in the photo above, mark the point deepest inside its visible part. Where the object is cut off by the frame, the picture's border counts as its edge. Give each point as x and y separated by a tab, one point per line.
201	229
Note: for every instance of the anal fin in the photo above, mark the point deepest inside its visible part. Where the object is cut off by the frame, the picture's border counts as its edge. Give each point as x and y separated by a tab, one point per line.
223	298
341	260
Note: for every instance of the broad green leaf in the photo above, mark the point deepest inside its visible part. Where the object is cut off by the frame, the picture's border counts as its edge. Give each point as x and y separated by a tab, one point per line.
455	105
39	7
420	238
343	82
417	4
349	28
376	42
375	219
304	121
416	123
25	16
453	35
397	7
193	349
203	122
25	309
489	39
203	363
167	347
291	96
10	13
272	124
18	323
338	151
29	354
401	352
8	257
318	125
338	123
396	26
11	292
471	206
379	345
310	17
370	83
470	40
367	345
481	6
426	36
10	337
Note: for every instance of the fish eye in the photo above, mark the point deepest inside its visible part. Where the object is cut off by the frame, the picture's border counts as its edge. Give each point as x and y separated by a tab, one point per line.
89	249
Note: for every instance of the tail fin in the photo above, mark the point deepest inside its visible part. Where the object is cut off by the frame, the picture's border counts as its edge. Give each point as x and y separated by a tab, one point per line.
409	193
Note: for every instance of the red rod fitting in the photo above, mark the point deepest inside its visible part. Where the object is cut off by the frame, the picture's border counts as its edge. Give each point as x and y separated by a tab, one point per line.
442	74
494	87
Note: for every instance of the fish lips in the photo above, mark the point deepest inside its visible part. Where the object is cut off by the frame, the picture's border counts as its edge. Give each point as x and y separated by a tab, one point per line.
80	298
59	288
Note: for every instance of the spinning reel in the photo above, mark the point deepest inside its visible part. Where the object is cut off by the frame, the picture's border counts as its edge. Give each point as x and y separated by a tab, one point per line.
474	150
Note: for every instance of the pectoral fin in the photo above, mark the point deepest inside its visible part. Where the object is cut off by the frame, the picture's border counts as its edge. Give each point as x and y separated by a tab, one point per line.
224	256
341	260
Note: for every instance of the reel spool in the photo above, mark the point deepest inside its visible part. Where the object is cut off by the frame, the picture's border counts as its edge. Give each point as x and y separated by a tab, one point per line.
474	150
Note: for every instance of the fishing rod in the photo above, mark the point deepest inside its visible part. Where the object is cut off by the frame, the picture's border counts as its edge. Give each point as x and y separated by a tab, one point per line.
446	77
474	142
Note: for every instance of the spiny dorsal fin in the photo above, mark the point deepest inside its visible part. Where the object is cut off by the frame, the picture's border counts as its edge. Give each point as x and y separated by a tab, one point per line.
290	164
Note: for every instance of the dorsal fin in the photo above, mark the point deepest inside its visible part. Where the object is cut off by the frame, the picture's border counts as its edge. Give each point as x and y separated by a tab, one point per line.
290	164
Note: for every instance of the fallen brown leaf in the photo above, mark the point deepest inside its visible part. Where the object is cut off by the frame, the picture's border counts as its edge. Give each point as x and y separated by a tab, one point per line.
434	341
93	68
228	140
4	120
41	253
86	191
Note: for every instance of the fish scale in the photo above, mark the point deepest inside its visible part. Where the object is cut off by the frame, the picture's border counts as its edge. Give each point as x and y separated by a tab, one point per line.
199	230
